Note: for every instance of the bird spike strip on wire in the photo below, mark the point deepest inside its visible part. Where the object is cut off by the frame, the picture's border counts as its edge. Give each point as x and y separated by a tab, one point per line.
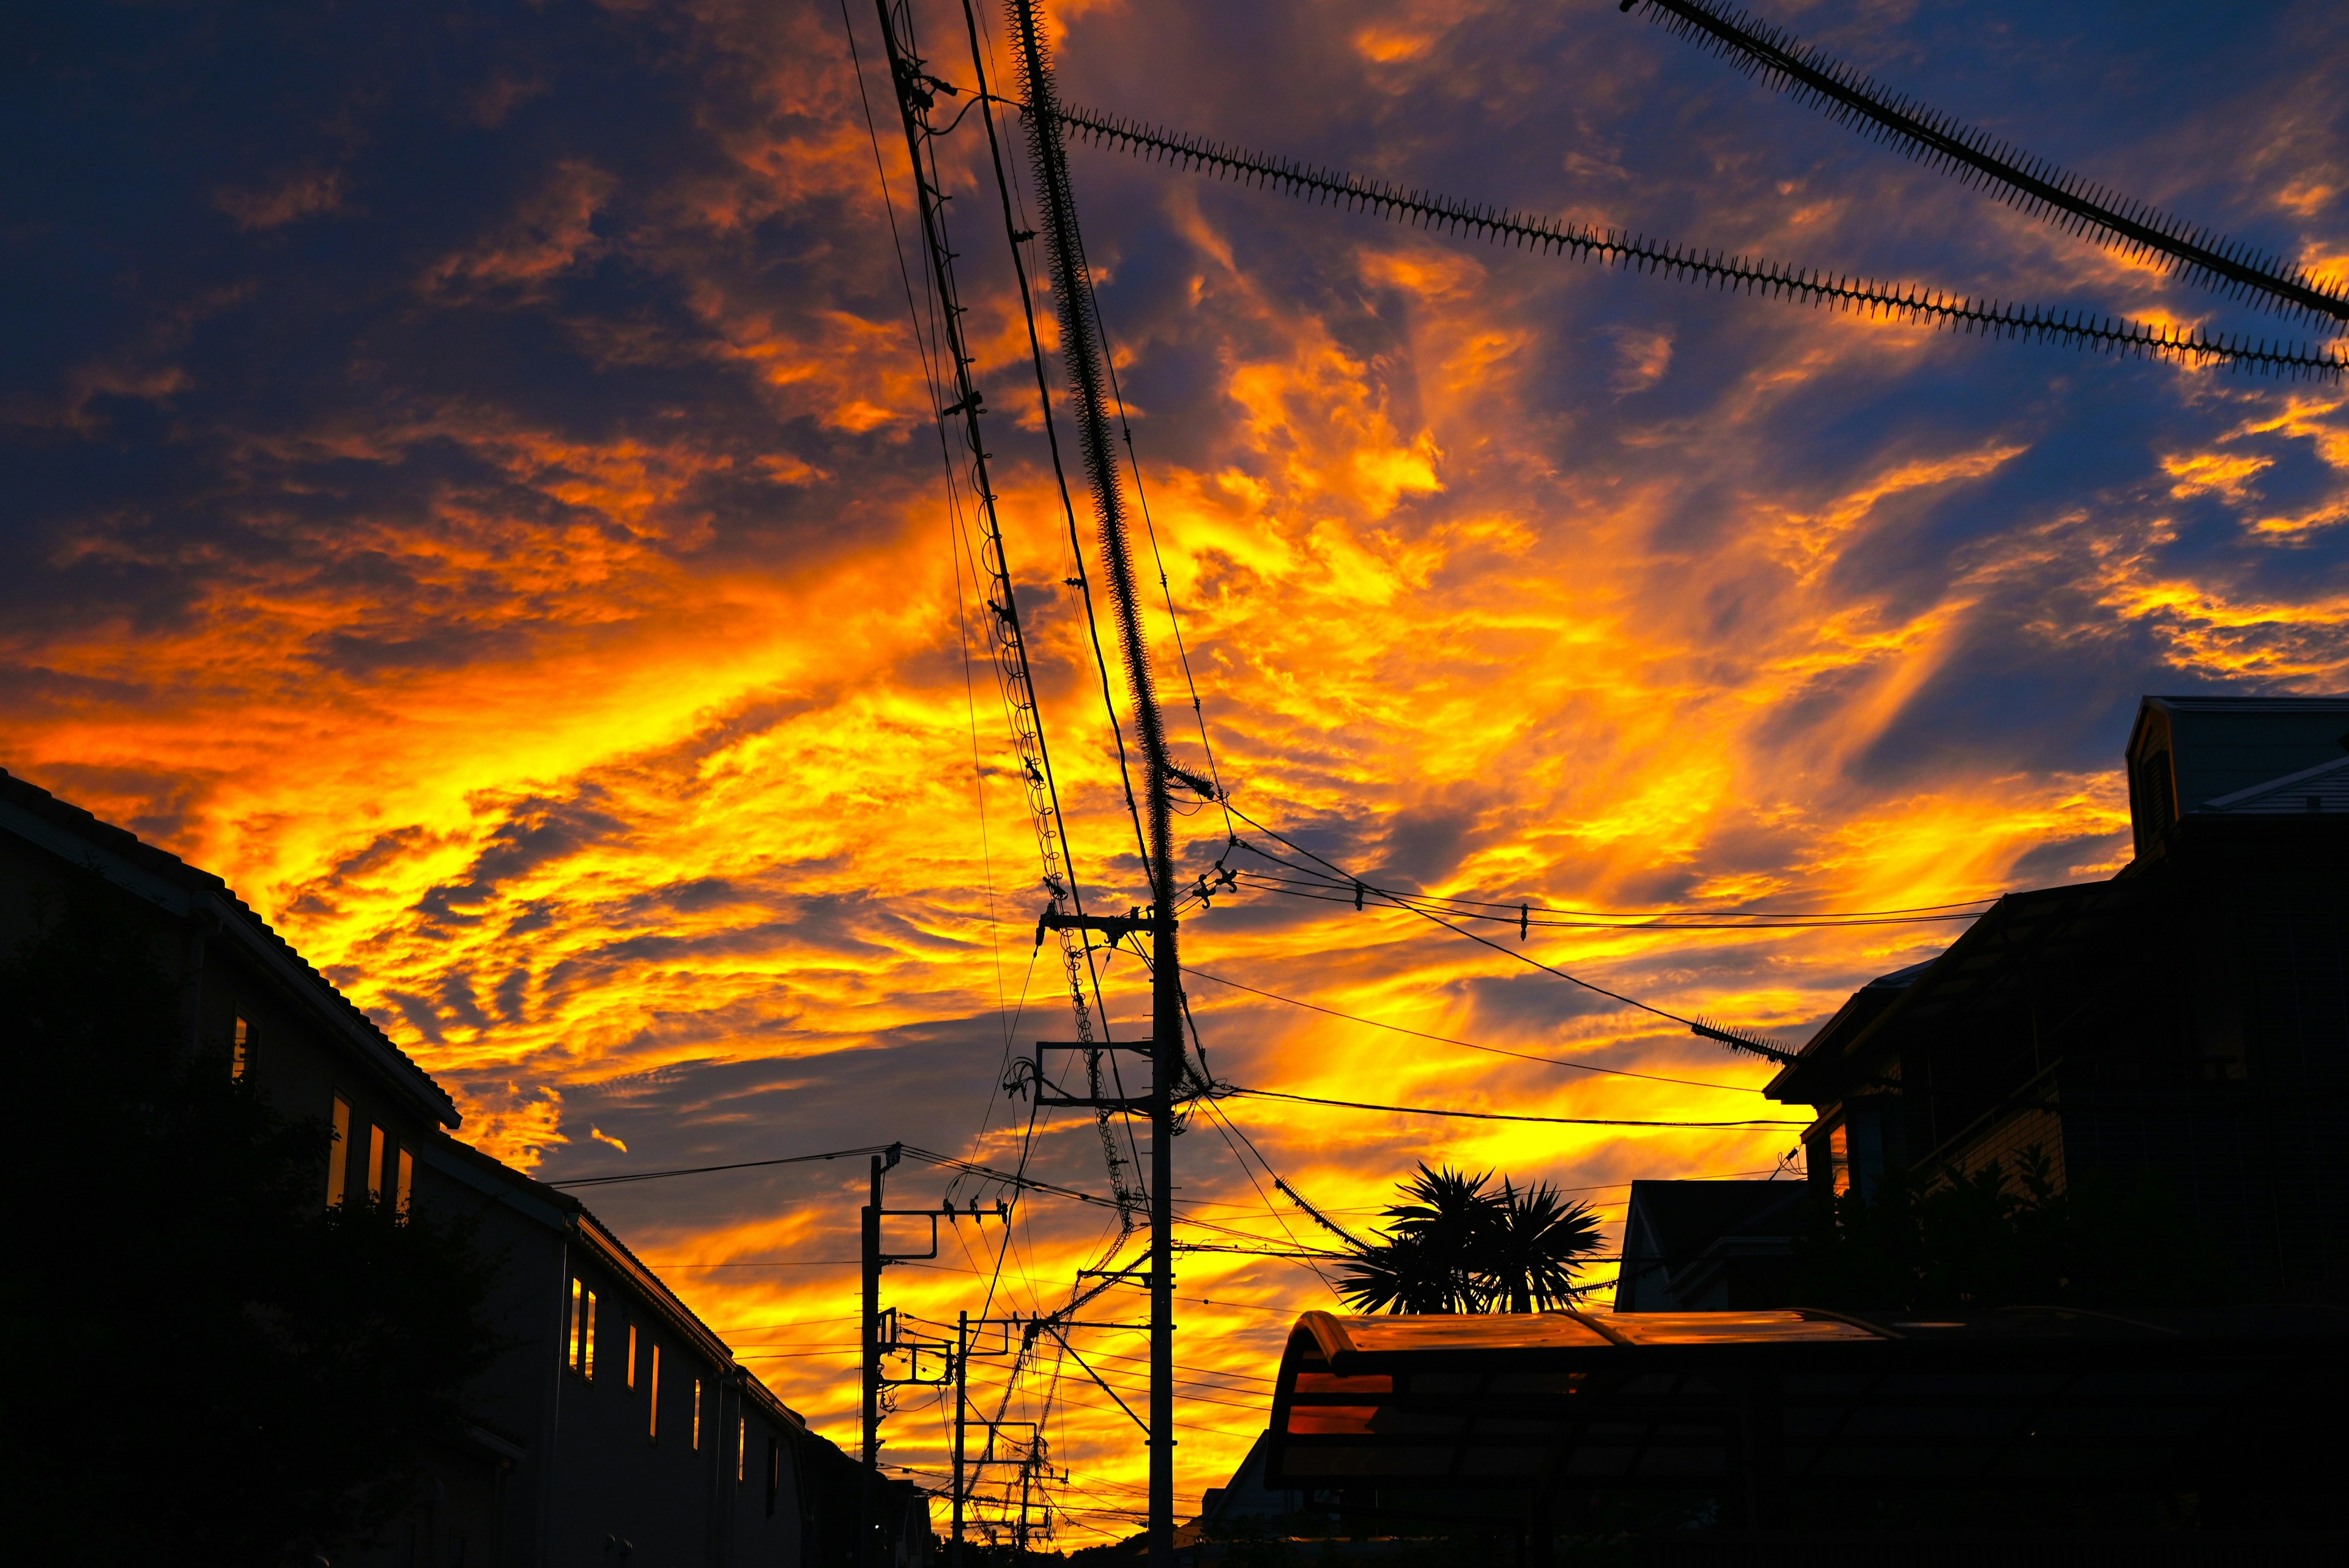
1743	1039
1717	269
2034	186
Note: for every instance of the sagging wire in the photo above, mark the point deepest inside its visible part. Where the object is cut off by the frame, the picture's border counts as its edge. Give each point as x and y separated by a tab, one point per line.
1736	1039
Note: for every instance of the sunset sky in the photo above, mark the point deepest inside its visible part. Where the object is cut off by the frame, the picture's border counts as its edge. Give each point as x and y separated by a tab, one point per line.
472	484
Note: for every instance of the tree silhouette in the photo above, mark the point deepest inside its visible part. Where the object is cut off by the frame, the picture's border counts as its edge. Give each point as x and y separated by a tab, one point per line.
1455	1245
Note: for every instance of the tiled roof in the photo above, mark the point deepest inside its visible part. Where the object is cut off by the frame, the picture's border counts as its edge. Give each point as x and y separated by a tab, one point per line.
163	879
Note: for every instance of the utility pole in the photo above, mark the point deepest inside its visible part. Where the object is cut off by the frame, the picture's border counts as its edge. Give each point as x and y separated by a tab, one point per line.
962	1413
1081	351
870	1259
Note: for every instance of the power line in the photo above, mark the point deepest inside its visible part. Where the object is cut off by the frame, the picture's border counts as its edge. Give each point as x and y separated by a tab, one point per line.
2033	185
1715	269
1525	914
1502	1117
1734	1038
1468	1044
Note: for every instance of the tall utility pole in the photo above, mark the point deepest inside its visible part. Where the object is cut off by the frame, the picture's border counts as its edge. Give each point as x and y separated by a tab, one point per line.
1080	350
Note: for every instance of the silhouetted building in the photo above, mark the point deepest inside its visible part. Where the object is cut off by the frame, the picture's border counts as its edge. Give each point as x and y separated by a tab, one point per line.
1708	1246
2186	1020
1243	1502
614	1427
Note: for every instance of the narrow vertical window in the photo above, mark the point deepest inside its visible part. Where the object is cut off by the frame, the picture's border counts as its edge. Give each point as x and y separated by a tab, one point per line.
1839	1153
587	1341
632	1358
573	1323
241	1053
741	1449
375	1165
652	1397
697	1415
406	1180
338	1156
774	1471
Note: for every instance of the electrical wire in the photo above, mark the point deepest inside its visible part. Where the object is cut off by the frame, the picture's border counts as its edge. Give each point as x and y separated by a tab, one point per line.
1501	1117
1728	1037
1470	1045
2034	186
1714	269
1522	914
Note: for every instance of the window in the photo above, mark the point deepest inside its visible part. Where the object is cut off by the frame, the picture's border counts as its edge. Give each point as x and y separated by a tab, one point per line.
406	1180
697	1415
741	1449
579	1335
652	1397
1840	1158
631	1369
240	1060
375	1165
774	1471
338	1156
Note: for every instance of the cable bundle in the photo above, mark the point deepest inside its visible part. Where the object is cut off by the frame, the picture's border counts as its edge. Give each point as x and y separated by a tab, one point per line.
2034	186
1714	269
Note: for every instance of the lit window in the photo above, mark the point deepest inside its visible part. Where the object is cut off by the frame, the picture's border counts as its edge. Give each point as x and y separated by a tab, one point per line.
741	1449
697	1415
579	1335
632	1358
375	1165
407	1179
240	1054
338	1156
652	1398
1839	1156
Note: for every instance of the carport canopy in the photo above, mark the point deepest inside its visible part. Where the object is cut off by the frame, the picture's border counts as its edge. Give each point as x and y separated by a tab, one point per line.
1810	1400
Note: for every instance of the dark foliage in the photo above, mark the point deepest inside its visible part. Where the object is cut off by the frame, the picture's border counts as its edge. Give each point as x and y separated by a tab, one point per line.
1975	1240
207	1365
1456	1245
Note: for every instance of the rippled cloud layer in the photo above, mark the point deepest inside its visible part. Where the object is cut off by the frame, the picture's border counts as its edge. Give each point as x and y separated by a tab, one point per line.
473	485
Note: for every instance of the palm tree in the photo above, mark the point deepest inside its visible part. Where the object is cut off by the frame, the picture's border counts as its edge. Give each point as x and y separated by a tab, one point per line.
1426	1261
1456	1246
1534	1241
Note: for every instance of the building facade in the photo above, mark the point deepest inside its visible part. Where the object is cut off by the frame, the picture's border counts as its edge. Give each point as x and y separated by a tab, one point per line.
1709	1246
614	1426
2185	1023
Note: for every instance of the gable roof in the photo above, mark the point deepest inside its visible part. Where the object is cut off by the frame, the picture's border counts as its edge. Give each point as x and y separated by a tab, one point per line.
2222	745
121	858
1973	975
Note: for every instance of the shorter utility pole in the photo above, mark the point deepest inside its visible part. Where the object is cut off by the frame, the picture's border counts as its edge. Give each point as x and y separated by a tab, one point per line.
878	1340
870	1259
962	1411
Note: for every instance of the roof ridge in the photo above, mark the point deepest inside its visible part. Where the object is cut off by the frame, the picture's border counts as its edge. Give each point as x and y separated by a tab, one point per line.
155	861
